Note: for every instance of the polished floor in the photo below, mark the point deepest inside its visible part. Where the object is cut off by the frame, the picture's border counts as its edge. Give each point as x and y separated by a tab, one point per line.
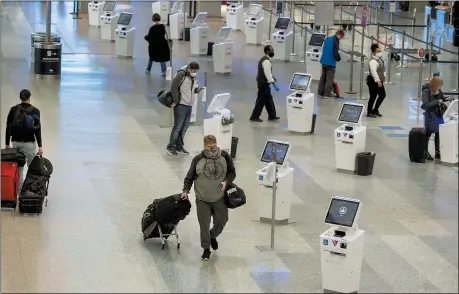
105	135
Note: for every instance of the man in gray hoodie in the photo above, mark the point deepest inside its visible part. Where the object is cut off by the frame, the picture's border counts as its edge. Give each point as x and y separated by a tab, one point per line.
211	171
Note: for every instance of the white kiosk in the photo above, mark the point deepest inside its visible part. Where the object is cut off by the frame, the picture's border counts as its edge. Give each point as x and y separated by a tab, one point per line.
449	135
108	21
284	182
235	15
349	137
199	35
314	54
341	247
161	7
223	52
95	10
177	21
253	25
283	39
300	105
221	124
125	35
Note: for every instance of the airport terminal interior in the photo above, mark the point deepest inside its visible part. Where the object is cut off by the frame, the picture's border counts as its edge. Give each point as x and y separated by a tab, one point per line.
105	133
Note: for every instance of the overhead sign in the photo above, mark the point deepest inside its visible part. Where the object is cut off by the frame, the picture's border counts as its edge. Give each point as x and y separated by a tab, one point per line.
322	15
392	6
421	52
279	7
364	15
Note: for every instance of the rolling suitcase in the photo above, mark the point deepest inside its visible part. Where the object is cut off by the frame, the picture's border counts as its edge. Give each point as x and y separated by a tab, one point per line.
210	48
417	144
10	184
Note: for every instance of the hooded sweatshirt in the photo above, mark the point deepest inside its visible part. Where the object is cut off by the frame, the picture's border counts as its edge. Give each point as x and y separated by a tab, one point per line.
208	170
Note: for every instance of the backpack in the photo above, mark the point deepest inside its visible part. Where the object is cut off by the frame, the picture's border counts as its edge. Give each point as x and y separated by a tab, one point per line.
23	121
165	96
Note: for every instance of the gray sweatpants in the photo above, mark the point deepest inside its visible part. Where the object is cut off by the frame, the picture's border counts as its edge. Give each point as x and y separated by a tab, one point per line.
30	150
205	211
327	79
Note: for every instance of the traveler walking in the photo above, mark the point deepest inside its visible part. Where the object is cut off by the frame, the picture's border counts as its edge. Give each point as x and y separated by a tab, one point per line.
211	171
158	45
375	82
330	55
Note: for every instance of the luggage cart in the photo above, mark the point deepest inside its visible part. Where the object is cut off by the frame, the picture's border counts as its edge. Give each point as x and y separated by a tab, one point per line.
163	232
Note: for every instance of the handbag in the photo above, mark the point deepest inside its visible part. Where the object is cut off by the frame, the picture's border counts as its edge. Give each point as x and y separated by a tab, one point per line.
165	98
234	196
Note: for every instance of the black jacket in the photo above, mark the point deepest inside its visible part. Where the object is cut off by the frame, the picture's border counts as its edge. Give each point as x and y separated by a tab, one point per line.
23	136
158	46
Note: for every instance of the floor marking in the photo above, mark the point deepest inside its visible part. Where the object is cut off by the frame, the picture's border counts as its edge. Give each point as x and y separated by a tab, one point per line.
397	135
391	128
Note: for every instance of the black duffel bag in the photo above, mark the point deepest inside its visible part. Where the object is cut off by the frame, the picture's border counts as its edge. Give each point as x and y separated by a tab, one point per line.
234	196
165	98
14	155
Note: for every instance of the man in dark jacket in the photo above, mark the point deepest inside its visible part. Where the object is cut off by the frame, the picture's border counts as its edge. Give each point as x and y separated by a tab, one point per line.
330	55
211	171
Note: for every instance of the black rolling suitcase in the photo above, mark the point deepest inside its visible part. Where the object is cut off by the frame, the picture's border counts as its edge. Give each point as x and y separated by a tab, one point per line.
210	48
417	144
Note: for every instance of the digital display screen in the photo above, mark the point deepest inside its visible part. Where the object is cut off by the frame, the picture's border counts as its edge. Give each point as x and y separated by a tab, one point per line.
300	82
254	10
281	152
342	212
109	6
350	113
317	40
125	19
282	23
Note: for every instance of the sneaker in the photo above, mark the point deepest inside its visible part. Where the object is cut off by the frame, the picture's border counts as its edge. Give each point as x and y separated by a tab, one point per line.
273	118
437	155
206	254
213	243
428	156
182	151
163	74
147	72
171	151
376	112
371	115
256	120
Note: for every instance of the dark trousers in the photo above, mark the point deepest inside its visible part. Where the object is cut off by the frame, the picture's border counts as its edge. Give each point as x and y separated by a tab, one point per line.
436	140
264	99
207	210
377	95
182	115
326	81
163	66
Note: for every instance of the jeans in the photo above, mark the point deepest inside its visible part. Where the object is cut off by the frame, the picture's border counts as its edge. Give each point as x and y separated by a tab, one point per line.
375	92
326	81
182	115
163	66
207	210
264	99
30	150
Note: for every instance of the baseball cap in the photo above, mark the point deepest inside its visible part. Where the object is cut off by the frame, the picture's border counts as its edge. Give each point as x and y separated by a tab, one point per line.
24	94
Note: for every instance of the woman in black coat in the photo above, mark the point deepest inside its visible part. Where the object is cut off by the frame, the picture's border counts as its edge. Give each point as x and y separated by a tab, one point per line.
158	45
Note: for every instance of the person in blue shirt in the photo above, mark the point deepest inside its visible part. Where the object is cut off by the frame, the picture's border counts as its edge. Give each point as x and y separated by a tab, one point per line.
330	56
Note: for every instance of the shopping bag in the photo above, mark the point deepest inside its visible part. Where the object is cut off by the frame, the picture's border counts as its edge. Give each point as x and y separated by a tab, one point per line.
169	73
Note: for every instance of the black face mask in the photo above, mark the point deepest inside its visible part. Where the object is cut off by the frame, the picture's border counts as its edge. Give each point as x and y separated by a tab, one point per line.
271	54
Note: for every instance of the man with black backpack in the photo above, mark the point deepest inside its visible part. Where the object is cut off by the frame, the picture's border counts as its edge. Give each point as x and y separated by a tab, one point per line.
23	128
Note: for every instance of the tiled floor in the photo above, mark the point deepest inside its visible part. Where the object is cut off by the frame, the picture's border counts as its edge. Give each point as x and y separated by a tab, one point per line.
101	130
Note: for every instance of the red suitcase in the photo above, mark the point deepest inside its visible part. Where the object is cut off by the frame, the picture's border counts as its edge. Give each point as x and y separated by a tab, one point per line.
10	184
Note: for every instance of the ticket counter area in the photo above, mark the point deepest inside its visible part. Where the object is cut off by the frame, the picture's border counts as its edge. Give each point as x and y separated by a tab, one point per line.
341	247
235	15
282	39
350	137
254	25
125	35
162	8
275	170
221	124
108	21
313	55
449	135
95	11
199	35
223	52
300	105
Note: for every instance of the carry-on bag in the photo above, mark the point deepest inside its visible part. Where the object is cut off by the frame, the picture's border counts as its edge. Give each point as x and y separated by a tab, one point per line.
234	196
14	155
417	144
10	184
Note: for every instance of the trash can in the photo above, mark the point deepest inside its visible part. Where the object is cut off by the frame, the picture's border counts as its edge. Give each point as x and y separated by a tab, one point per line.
210	48
187	35
41	38
234	142
48	59
365	163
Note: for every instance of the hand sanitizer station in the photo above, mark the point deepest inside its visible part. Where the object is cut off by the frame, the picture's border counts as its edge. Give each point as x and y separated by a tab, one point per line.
235	15
177	21
341	247
221	124
161	7
449	135
349	137
283	39
314	54
254	25
125	36
300	105
108	22
223	52
199	35
95	10
275	171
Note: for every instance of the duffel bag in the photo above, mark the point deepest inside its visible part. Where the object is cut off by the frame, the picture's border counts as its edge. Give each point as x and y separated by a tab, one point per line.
234	196
14	155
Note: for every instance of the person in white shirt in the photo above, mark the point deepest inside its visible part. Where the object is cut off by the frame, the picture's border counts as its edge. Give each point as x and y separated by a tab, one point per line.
375	82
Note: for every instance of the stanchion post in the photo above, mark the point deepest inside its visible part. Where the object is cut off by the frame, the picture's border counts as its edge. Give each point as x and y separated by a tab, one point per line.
305	45
419	93
351	70
273	205
340	13
302	20
269	26
413	23
402	53
377	31
391	19
376	14
184	26
293	41
430	59
362	64
390	66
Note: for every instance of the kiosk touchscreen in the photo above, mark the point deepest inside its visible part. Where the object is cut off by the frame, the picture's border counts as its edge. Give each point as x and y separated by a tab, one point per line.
449	135
275	157
301	116
199	35
108	21
221	123
235	15
350	137
223	52
283	39
109	7
314	53
162	8
177	21
125	35
254	24
342	247
94	12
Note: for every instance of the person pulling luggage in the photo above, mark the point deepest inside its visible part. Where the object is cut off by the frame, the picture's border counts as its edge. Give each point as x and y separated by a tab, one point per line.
211	171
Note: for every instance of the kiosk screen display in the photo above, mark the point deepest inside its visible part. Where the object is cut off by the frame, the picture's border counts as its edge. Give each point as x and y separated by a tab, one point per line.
125	19
254	10
342	212
109	6
282	23
300	82
281	152
317	40
350	113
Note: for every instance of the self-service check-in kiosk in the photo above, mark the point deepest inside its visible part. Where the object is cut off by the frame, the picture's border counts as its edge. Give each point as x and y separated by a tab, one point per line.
254	24
341	247
177	21
300	105
349	137
449	135
125	36
283	39
95	10
313	55
108	21
199	35
161	7
221	124
284	182
223	52
235	15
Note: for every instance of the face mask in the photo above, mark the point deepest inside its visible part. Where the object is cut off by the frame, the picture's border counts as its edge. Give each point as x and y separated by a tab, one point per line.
379	54
271	54
193	74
